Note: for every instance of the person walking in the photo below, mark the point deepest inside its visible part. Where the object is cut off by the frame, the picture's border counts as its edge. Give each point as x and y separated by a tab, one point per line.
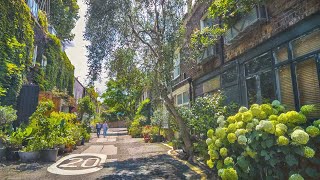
98	127
105	129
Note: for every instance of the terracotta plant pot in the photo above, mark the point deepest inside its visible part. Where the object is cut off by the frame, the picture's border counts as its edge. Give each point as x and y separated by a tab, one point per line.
68	148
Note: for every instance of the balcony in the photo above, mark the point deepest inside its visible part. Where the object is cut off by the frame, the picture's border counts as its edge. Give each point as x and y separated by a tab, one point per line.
257	15
34	8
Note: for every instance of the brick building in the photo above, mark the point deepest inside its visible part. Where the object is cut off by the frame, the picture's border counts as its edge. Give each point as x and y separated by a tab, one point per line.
272	52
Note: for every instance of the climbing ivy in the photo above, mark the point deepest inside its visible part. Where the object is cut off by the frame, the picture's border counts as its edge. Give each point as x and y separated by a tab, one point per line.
59	71
16	46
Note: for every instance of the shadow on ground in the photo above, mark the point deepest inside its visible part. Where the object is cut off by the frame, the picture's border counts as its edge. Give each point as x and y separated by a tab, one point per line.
154	167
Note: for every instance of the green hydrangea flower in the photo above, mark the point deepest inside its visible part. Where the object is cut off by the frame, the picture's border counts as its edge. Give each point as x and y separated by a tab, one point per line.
281	129
243	109
242	139
296	118
240	132
276	103
316	123
300	137
249	126
238	117
239	124
313	131
231	119
247	116
228	161
209	141
273	118
213	154
229	174
282	141
220	133
308	152
296	177
255	109
218	143
283	118
223	152
232	127
267	108
266	126
210	133
231	137
210	163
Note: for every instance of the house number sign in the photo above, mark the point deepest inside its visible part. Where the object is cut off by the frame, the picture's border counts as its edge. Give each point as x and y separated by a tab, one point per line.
76	164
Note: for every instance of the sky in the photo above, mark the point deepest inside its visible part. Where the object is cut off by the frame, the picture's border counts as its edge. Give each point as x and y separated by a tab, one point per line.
77	51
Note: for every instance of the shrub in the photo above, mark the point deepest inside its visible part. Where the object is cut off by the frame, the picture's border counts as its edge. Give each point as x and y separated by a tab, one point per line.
265	142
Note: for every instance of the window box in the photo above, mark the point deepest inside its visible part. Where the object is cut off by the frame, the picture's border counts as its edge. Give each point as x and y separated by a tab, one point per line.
257	15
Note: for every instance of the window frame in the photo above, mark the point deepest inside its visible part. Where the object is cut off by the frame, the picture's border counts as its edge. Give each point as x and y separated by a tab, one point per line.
182	98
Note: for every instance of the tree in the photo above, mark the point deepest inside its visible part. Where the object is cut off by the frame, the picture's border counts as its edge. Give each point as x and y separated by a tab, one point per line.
151	29
86	106
63	16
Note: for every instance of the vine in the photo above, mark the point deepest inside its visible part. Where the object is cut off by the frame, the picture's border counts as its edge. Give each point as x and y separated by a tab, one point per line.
228	12
16	46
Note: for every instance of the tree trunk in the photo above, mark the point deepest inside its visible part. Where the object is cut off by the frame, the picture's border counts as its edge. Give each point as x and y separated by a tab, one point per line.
182	127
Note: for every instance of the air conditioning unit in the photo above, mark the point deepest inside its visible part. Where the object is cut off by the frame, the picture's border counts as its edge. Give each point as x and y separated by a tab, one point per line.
210	52
257	15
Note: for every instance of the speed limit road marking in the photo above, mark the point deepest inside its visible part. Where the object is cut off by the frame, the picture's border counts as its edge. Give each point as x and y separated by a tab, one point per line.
76	164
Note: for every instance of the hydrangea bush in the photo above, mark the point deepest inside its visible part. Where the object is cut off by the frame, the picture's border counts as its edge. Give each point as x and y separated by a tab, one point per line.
265	142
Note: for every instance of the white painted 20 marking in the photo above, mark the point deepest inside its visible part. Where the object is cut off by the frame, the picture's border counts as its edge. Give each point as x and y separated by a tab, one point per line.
78	164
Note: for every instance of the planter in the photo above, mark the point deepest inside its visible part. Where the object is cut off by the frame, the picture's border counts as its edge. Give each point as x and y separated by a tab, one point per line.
2	152
49	155
61	148
69	148
12	154
79	143
82	141
28	156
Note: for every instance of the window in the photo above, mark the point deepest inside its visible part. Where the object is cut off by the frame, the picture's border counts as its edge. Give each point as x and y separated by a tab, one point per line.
211	50
308	84
176	71
182	99
306	44
259	80
285	88
229	82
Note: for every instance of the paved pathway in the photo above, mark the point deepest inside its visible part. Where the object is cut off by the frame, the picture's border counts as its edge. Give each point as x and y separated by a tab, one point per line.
117	156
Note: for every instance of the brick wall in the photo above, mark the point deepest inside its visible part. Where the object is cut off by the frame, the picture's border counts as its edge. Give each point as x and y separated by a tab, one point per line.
282	15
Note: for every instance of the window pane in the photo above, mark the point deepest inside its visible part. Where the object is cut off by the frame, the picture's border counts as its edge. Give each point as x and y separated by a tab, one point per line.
258	64
308	84
306	44
251	90
229	76
185	97
267	87
232	94
179	97
285	87
281	54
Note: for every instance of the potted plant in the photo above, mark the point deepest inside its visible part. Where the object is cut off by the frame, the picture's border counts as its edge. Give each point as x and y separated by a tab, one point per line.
7	116
31	151
146	133
15	142
3	138
69	143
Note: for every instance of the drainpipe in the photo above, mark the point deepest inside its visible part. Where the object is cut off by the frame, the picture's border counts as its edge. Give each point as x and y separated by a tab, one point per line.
221	44
190	90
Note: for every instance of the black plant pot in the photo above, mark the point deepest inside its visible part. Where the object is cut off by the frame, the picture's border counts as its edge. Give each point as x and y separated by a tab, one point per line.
2	152
49	155
82	141
28	156
12	154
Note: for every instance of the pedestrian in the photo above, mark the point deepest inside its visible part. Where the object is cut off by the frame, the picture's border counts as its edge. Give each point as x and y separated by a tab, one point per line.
98	127
105	128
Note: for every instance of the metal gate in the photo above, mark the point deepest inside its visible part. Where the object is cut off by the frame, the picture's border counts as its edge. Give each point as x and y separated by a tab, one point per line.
27	103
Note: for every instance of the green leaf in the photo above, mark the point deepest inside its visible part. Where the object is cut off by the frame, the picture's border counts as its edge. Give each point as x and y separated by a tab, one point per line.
291	160
264	153
269	143
312	172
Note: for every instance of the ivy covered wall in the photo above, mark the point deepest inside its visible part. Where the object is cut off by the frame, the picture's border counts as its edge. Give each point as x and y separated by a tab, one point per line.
18	30
59	71
16	47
